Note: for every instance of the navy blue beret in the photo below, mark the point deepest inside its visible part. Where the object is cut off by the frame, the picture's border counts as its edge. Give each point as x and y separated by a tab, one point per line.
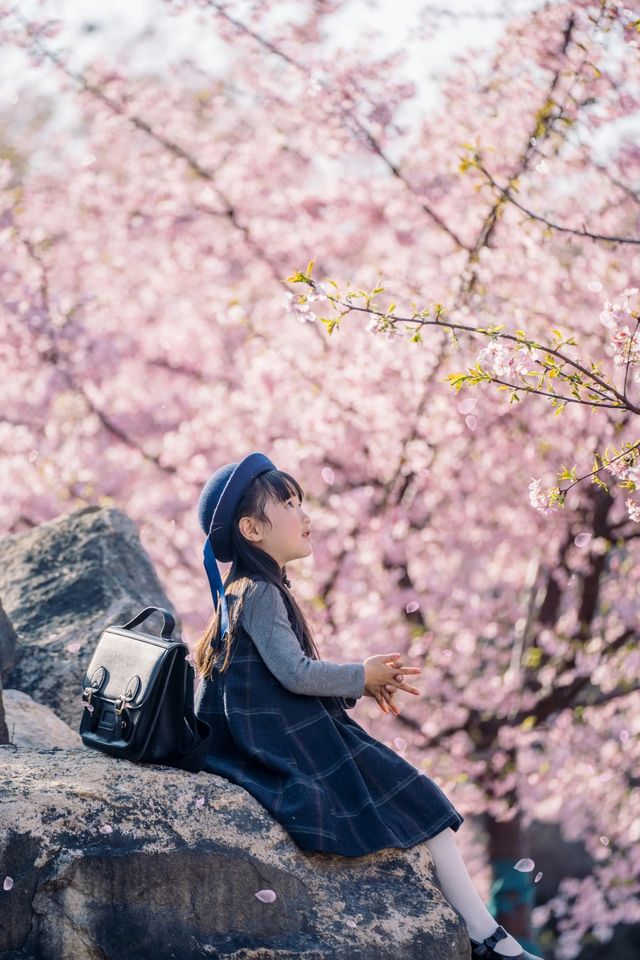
220	497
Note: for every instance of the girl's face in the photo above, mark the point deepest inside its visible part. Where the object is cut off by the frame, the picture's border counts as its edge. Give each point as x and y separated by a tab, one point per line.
288	537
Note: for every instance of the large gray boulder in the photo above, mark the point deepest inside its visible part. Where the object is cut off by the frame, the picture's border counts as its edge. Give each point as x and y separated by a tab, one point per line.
111	859
64	582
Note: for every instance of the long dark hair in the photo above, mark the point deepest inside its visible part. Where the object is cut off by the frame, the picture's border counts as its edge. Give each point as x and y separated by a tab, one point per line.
251	563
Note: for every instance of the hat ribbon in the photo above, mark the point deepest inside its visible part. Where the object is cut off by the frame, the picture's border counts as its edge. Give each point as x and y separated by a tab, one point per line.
217	587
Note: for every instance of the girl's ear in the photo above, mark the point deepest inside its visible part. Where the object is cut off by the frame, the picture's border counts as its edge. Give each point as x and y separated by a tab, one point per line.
250	529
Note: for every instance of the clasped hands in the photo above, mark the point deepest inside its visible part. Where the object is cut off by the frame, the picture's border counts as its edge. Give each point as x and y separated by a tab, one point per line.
383	675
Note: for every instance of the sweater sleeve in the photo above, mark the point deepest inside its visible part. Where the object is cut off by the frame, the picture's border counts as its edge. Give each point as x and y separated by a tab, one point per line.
264	616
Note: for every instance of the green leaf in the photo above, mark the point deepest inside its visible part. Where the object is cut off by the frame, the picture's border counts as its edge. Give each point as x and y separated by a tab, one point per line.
331	323
533	658
567	474
457	380
298	277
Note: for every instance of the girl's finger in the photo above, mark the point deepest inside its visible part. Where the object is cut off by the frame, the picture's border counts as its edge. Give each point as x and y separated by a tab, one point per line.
378	695
389	698
408	688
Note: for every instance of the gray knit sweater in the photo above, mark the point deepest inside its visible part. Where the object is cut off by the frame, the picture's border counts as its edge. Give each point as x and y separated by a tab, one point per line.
264	617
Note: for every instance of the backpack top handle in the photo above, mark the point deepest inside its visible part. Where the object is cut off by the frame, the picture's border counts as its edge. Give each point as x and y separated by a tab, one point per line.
168	625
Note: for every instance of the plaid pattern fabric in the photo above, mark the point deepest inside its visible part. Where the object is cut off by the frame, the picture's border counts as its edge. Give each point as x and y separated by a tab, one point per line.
330	784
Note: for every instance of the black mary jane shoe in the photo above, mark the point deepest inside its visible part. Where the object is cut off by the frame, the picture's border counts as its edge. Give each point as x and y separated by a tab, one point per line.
483	949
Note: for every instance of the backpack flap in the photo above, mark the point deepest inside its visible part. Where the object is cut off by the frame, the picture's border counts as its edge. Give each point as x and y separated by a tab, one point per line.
128	671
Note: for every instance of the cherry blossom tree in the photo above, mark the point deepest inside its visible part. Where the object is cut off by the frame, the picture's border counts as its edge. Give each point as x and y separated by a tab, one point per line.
146	340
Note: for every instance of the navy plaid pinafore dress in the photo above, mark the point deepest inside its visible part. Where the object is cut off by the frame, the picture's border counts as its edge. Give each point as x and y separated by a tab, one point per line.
330	784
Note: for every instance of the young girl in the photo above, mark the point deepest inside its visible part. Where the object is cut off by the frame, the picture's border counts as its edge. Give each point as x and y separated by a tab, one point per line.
279	713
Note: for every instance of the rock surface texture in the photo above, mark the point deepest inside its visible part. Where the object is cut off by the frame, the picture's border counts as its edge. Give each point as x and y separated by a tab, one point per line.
112	860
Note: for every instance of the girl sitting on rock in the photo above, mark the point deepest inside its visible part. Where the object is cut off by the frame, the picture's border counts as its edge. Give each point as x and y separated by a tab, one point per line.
279	713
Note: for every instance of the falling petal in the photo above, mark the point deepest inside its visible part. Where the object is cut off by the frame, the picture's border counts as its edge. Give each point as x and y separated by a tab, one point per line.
267	896
106	828
466	406
8	883
524	865
471	421
399	743
583	539
604	841
412	606
624	736
537	877
351	923
327	475
73	647
200	802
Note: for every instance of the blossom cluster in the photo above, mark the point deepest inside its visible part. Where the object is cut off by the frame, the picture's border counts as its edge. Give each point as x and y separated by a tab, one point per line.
299	305
622	318
628	472
538	499
627	469
504	361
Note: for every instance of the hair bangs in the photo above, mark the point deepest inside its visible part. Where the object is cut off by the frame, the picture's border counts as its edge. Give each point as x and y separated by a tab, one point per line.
282	485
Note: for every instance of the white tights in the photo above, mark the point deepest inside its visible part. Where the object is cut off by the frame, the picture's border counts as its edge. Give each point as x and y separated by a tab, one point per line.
458	889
